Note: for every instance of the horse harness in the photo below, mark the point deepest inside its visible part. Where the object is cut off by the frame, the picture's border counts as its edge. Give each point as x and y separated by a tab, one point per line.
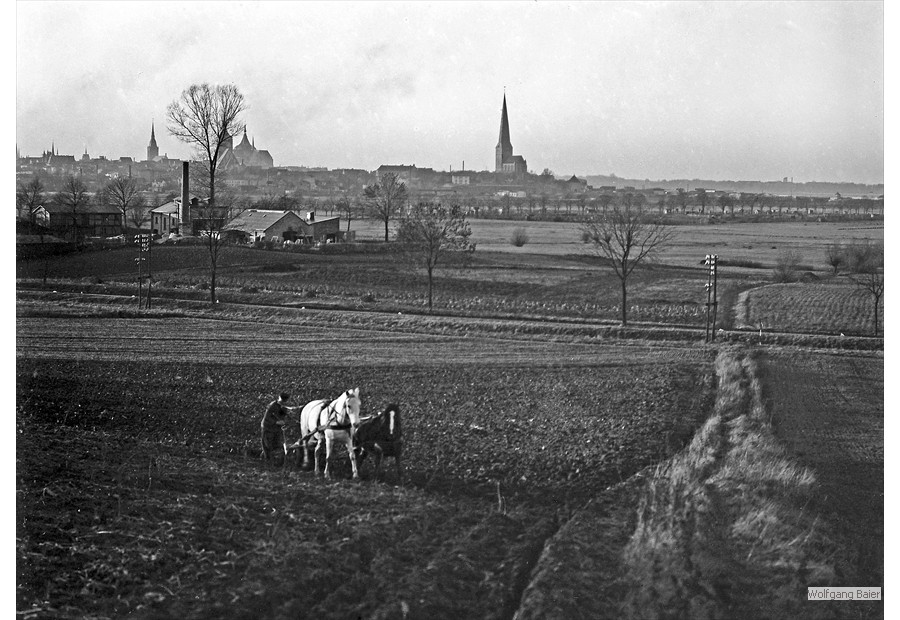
328	424
333	416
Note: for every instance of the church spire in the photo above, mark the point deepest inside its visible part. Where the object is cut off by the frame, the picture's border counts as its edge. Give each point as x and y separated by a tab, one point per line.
504	124
152	148
504	150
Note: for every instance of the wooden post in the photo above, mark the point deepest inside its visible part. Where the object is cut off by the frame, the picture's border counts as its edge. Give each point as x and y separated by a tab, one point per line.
715	300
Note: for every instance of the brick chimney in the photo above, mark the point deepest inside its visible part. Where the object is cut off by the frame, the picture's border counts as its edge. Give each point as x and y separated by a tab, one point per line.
184	215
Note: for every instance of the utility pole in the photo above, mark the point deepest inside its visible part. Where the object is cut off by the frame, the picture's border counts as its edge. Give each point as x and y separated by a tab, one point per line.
144	242
712	303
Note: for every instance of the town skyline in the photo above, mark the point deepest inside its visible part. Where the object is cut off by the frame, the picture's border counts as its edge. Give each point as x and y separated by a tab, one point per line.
608	112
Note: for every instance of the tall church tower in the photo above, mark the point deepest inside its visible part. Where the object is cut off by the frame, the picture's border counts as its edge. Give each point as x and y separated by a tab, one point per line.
504	149
152	149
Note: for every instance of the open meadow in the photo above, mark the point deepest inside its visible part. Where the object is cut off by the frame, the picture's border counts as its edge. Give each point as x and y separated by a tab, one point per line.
757	242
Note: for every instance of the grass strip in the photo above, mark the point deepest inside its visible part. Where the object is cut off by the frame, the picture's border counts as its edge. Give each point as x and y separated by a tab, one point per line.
725	528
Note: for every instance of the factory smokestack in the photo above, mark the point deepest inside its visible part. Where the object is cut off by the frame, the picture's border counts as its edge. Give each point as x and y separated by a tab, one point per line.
184	215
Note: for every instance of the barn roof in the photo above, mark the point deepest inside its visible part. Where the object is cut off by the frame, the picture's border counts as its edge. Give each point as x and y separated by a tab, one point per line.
251	220
168	207
53	207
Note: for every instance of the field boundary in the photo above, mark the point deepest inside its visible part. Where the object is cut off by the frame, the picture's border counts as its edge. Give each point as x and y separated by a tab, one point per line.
587	550
722	528
61	304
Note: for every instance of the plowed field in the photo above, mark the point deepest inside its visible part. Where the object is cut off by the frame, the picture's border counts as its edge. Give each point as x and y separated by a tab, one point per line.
139	491
825	308
829	410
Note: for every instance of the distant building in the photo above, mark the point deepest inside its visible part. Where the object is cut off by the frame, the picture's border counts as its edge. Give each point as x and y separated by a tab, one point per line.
577	185
505	160
164	219
254	224
460	178
244	155
90	220
412	176
152	148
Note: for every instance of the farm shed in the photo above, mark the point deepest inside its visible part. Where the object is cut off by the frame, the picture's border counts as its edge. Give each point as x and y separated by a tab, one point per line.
327	229
253	224
164	218
90	220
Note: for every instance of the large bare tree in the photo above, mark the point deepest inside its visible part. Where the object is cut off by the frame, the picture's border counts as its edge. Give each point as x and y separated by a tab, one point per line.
73	196
869	276
122	192
429	232
625	238
29	197
386	198
206	117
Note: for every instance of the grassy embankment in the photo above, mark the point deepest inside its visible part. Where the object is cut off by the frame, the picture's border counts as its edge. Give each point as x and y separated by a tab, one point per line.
727	528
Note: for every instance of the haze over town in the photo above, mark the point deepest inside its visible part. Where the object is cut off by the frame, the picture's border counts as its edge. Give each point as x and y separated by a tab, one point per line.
754	91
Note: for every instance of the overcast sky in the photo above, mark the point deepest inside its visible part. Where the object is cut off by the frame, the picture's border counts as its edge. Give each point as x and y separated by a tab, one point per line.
723	91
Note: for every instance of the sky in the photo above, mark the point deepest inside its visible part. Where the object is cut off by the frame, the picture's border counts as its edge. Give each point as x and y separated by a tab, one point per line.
642	90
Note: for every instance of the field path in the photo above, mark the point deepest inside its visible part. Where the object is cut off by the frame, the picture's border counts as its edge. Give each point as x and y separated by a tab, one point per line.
829	411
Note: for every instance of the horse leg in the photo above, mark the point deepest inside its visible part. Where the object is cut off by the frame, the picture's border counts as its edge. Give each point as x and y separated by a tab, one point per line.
399	467
329	446
379	457
319	445
352	456
306	458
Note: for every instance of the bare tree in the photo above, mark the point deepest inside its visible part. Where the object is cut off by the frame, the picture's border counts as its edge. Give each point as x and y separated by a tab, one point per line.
73	197
681	197
835	256
206	117
725	202
605	200
139	215
346	207
639	202
702	197
625	239
861	256
29	198
786	266
123	193
746	200
661	204
869	277
429	232
386	198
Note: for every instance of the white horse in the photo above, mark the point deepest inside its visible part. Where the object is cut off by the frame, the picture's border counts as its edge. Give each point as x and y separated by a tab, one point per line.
336	421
